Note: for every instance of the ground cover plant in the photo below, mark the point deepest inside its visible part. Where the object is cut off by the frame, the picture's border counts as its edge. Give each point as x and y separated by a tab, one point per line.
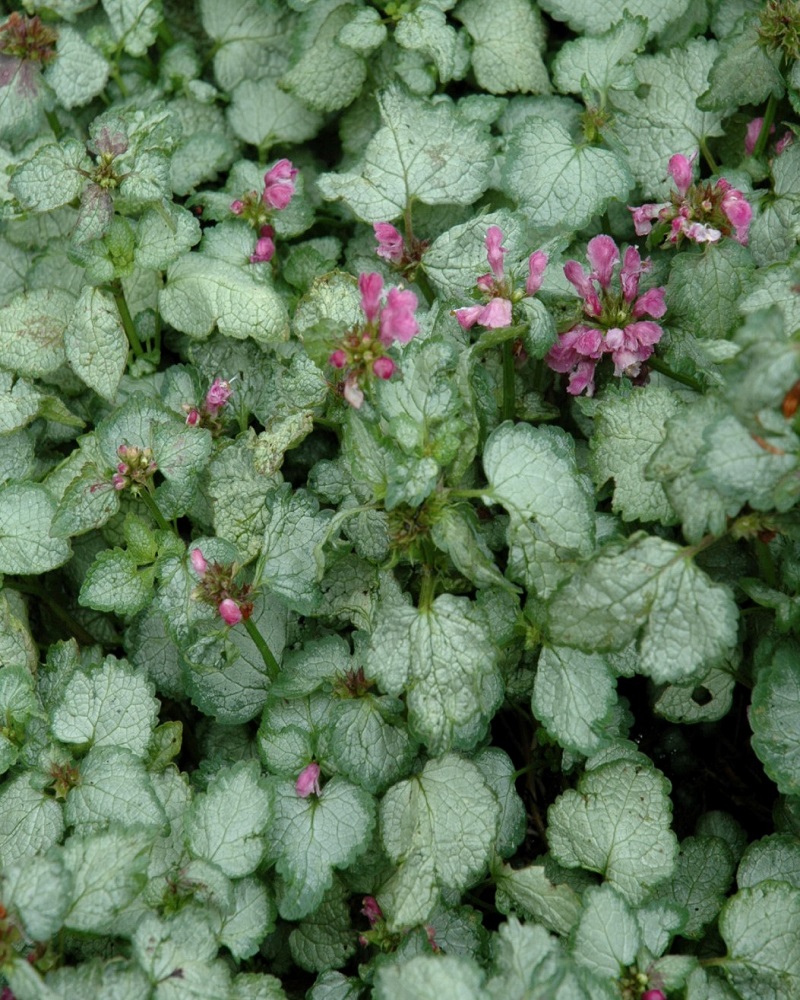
398	472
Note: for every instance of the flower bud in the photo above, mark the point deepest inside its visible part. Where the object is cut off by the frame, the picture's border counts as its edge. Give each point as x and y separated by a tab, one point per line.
308	781
230	611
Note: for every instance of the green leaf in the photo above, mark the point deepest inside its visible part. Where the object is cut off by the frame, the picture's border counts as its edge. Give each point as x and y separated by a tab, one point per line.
628	430
179	956
648	590
324	940
79	73
775	858
226	825
253	918
257	986
700	882
431	154
590	18
761	928
532	472
163	235
556	183
312	836
617	822
18	651
508	39
38	889
88	502
265	116
744	72
429	977
107	705
114	788
444	661
706	700
108	870
52	177
26	546
704	289
95	342
134	23
439	828
774	232
244	35
426	31
30	820
32	330
370	744
531	894
607	938
326	75
574	694
113	583
604	62
498	772
775	719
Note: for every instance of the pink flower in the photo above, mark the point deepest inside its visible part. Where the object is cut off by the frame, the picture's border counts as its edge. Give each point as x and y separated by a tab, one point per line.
643	216
371	910
353	392
390	242
237	206
537	262
383	367
279	184
198	560
265	247
680	169
217	396
736	208
371	288
494	252
785	141
397	317
654	995
193	416
752	134
230	612
308	781
338	359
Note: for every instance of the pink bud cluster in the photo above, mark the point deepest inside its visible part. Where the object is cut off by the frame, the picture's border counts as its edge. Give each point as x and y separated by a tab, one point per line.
701	213
308	781
404	255
207	413
614	323
257	209
361	351
754	131
496	288
217	588
135	467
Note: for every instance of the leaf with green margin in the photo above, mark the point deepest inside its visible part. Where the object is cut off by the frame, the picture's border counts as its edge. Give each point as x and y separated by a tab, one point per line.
52	177
591	18
666	120
265	116
444	662
425	30
498	772
530	893
110	704
291	731
324	940
227	824
260	986
19	402
761	928
431	154
774	858
532	472
79	72
95	343
38	889
557	184
701	881
365	32
109	871
26	545
245	35
369	743
429	977
706	700
88	502
617	822
704	289
180	952
134	23
628	430
604	62
292	562
17	646
114	789
508	38
775	718
164	234
439	827
30	820
744	72
252	919
607	937
573	696
647	590
32	330
311	836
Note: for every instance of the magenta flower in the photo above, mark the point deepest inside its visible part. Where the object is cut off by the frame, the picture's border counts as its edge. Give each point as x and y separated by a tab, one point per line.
198	560
615	324
217	396
371	910
308	781
654	995
265	247
752	134
391	245
279	185
207	413
496	288
362	349
135	468
701	213
230	612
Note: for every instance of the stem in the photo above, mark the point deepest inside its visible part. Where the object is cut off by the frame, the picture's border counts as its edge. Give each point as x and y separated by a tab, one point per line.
54	123
422	283
152	506
766	564
157	335
127	319
78	631
763	135
269	660
407	225
659	366
707	156
427	590
509	402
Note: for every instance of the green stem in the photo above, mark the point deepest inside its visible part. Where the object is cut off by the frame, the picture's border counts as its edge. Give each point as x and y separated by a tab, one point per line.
157	335
763	135
708	157
54	123
78	631
422	283
127	319
427	590
152	506
766	564
659	366
509	402
407	225
269	660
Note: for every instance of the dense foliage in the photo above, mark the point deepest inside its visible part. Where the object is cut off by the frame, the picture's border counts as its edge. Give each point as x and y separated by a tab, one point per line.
398	468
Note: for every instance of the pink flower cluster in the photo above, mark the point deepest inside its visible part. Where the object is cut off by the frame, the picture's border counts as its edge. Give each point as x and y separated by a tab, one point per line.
308	781
702	212
135	467
404	255
217	588
207	414
614	323
257	209
362	349
754	131
496	288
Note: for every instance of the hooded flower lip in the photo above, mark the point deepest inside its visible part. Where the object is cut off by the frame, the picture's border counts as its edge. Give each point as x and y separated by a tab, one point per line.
701	213
496	287
614	324
279	184
391	245
308	781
